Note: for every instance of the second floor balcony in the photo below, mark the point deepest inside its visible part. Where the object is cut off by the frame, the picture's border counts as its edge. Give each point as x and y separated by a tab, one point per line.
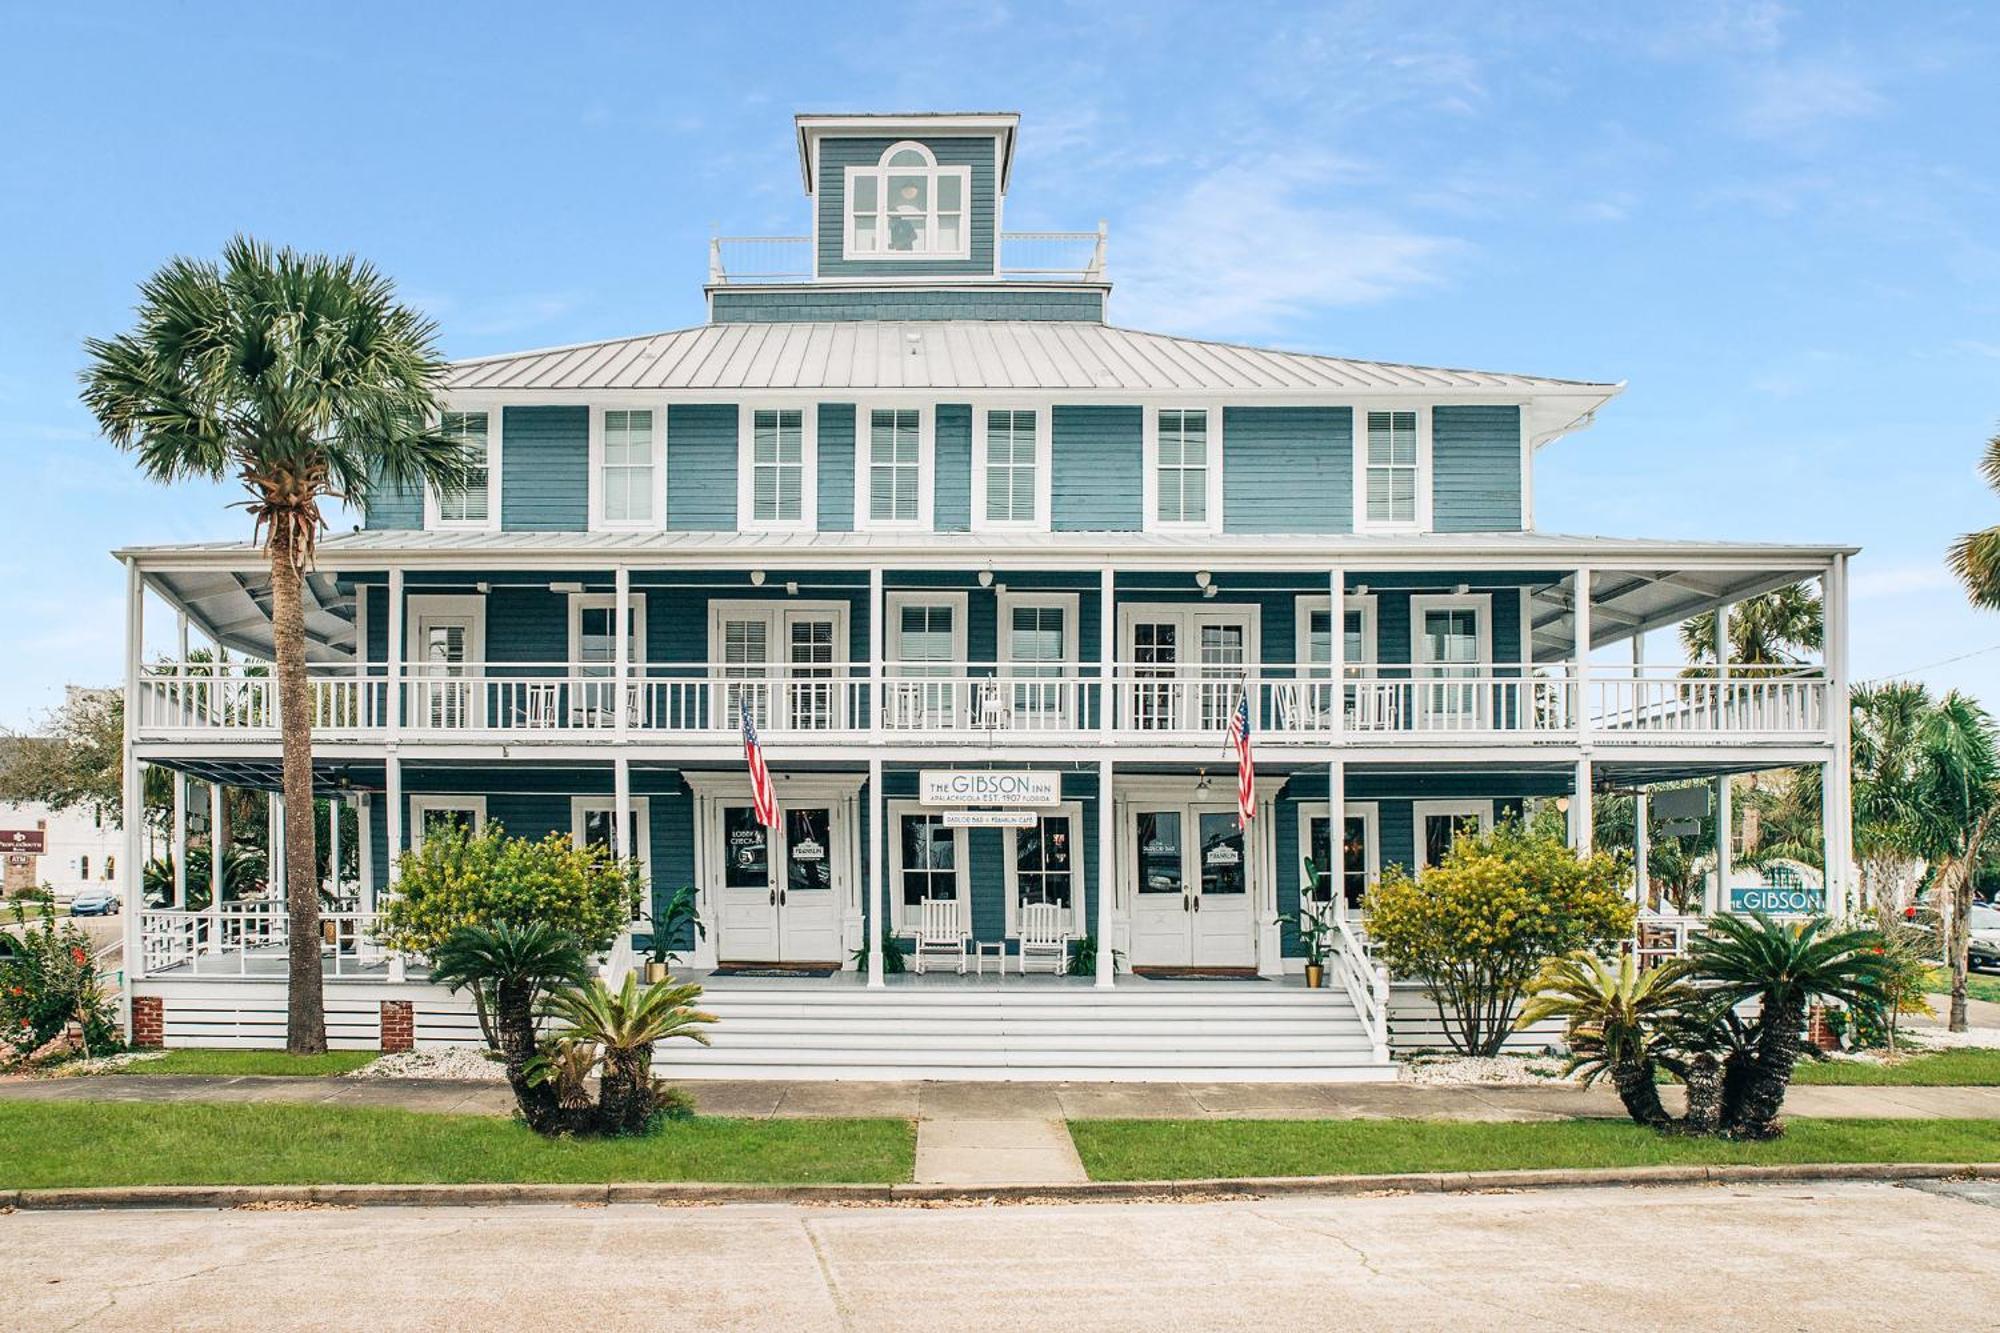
1291	705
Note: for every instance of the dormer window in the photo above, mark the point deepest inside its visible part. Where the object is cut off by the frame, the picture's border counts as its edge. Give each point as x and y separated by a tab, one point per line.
906	206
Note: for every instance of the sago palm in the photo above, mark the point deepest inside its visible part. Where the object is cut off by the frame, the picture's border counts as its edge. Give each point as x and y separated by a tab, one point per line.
1784	966
626	1024
302	376
1615	1016
516	965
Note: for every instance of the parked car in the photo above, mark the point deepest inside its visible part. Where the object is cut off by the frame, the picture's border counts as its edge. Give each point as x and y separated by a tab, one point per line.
95	902
1985	947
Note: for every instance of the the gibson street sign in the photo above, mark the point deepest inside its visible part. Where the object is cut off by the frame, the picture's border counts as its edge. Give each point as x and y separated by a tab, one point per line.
1016	787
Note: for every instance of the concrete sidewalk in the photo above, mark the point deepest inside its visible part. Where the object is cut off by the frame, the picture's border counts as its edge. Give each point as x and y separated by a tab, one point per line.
1020	1102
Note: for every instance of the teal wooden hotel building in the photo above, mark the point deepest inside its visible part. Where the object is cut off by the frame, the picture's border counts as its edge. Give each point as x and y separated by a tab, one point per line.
912	499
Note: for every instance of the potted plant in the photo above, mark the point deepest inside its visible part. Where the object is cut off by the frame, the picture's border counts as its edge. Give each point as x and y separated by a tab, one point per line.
656	961
681	910
1313	932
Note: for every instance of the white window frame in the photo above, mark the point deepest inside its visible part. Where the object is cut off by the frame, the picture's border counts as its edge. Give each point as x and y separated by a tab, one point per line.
932	172
981	454
598	522
899	921
423	805
864	469
579	602
642	812
746	465
1370	815
1078	880
1421	810
433	520
471	605
1150	484
892	615
1480	602
1422	521
1005	604
1302	629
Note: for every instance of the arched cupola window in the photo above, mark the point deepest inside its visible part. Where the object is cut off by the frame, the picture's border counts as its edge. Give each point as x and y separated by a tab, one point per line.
906	206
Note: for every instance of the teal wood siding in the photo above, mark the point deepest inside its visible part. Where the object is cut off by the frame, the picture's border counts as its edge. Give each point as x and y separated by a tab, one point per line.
701	467
1476	469
399	507
753	306
836	467
1098	469
836	155
952	490
545	469
1288	469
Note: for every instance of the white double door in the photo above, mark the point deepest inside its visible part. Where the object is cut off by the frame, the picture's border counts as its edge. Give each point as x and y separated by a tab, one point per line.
1191	900
784	663
778	891
1187	665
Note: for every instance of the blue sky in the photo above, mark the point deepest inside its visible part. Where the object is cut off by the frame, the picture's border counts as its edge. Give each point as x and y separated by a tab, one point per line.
1777	224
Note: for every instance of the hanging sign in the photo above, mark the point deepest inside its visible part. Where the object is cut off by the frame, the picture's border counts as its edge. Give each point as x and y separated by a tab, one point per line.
1678	803
1680	828
1011	787
23	840
990	818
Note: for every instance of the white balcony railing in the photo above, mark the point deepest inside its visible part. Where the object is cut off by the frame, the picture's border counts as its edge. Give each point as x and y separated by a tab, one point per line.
1025	256
250	938
1289	704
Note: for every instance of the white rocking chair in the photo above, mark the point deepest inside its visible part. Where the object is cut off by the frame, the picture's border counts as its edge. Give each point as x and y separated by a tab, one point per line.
1045	936
940	930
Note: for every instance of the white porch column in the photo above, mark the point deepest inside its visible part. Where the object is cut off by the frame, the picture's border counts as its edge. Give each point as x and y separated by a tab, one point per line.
1336	834
621	663
1642	889
364	850
393	668
621	799
1107	651
274	838
392	772
1582	830
218	848
333	846
1107	869
877	809
179	845
1836	788
133	807
876	639
1336	657
1718	894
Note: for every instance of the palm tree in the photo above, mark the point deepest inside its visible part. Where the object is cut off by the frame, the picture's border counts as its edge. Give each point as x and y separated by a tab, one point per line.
517	966
1953	802
1784	967
1775	628
1887	723
304	377
1615	1017
1975	557
625	1024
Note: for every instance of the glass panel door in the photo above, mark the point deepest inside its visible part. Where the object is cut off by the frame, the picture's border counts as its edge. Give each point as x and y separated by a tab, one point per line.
925	642
746	659
808	909
1162	905
1037	656
1221	856
1155	663
749	900
442	669
1223	932
811	684
597	825
596	664
1450	646
1225	664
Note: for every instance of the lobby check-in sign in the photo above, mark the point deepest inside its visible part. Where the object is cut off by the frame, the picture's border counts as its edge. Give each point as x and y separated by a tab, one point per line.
1017	789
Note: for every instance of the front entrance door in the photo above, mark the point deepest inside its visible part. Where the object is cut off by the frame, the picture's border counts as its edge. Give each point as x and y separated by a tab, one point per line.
1191	900
777	895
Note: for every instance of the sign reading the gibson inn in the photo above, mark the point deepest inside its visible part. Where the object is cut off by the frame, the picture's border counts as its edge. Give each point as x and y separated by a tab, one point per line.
1019	787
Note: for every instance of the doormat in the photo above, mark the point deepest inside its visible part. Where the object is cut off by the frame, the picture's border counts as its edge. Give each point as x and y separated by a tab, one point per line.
775	969
1197	973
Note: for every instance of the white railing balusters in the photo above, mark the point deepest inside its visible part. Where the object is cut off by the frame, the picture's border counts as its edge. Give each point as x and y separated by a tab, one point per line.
237	933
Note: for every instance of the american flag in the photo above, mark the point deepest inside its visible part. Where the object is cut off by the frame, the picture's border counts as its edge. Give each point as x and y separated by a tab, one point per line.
1246	768
760	776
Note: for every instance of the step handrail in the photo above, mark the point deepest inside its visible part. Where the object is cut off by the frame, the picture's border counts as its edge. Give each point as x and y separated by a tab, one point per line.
1367	986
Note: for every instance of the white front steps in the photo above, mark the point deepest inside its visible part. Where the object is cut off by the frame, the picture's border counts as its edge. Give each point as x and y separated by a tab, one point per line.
1140	1030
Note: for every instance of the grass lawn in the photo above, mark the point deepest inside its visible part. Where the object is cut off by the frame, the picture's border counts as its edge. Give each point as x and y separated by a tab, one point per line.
1963	1067
1189	1149
51	1144
1978	985
193	1060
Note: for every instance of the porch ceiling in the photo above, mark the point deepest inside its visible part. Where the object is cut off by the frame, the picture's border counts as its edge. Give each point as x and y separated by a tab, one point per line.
1625	603
233	606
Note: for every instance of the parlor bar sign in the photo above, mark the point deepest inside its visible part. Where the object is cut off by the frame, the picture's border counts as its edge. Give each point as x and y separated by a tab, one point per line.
1014	788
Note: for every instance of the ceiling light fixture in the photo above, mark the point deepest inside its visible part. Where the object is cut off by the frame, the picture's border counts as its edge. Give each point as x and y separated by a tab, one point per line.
756	578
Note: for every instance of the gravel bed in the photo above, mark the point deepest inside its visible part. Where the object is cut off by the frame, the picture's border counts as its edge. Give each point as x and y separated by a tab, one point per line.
1501	1070
446	1064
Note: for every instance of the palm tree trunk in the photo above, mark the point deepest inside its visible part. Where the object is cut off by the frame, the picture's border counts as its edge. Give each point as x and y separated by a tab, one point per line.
1703	1077
1771	1074
1640	1093
305	1009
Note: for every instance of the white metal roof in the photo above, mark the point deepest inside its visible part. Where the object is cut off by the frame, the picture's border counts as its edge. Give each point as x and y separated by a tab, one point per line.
1070	356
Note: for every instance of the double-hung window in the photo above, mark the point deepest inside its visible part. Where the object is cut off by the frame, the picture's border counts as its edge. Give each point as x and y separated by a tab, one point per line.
1038	656
628	469
1392	475
778	466
1184	466
472	504
895	456
906	206
1011	474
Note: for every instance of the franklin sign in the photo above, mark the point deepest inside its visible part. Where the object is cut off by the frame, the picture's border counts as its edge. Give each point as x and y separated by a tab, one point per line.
945	786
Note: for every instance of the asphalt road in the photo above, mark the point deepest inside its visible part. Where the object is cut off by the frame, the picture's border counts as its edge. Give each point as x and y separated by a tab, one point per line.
1763	1257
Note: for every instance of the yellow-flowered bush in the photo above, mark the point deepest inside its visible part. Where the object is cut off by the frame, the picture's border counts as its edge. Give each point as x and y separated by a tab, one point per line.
1477	926
486	879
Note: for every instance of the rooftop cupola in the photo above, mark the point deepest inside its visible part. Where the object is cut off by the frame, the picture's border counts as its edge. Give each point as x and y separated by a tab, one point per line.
905	217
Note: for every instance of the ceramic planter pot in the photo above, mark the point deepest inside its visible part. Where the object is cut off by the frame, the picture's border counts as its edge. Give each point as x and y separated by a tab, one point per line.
655	972
1315	975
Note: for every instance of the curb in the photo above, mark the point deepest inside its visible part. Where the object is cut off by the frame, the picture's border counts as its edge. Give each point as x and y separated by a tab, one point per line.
1102	1191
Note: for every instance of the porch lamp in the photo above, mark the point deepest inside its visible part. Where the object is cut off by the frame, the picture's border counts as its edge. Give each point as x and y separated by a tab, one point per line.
1202	578
756	578
985	578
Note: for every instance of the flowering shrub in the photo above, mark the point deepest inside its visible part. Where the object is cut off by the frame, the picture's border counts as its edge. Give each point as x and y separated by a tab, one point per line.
490	879
1479	925
49	981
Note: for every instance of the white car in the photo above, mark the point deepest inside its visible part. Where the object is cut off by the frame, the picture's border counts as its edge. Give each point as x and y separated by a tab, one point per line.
1985	949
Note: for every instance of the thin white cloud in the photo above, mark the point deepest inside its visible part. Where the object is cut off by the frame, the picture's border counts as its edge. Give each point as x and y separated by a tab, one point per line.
1253	245
1788	102
1899	580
